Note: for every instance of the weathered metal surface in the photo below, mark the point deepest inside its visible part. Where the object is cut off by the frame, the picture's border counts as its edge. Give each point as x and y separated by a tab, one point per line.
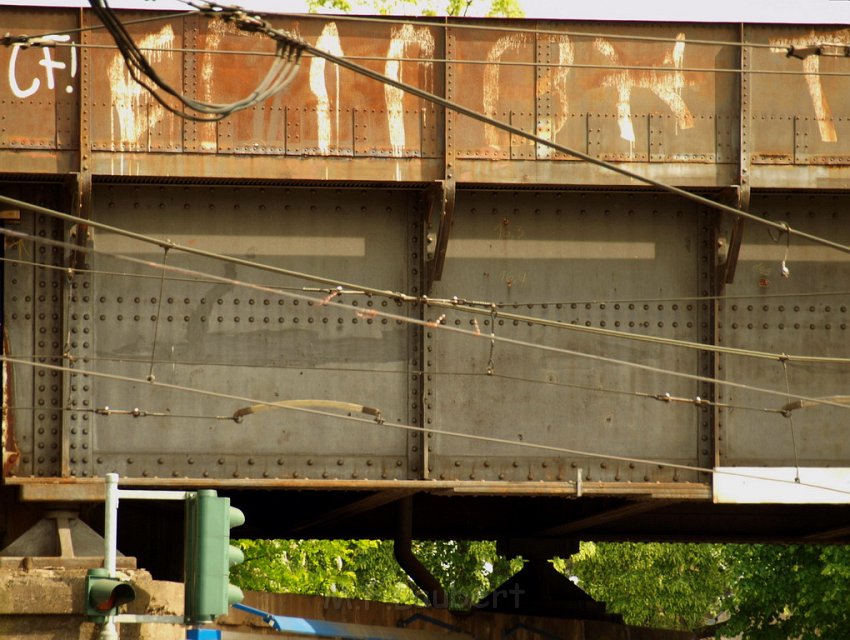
523	250
301	182
671	103
806	313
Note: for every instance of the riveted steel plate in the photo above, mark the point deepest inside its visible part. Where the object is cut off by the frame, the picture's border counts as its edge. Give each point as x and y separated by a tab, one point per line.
629	263
33	319
253	345
814	89
805	314
38	101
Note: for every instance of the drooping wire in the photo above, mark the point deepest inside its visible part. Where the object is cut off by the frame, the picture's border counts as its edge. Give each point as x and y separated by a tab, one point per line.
151	376
403	297
418	429
281	72
790	416
424	323
462	301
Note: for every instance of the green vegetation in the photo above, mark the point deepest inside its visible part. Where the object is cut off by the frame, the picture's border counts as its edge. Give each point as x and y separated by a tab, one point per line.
497	8
768	592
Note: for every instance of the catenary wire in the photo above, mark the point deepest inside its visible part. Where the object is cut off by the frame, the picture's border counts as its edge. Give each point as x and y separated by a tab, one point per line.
426	323
454	23
407	427
165	244
662	397
459	300
670	342
473	62
156	18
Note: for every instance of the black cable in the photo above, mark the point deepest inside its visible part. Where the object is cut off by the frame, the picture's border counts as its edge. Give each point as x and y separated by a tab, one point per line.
281	72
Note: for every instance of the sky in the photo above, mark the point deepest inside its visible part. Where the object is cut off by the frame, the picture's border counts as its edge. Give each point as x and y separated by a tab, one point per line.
767	11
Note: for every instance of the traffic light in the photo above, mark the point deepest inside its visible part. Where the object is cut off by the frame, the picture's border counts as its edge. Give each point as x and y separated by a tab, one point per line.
208	556
105	594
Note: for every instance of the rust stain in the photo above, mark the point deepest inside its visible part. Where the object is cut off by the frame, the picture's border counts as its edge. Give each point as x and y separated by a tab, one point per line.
11	454
811	65
132	117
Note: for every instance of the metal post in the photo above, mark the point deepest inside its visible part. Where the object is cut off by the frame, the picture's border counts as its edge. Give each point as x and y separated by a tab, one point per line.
110	544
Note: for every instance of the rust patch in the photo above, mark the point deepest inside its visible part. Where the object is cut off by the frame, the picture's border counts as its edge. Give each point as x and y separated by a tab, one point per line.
11	454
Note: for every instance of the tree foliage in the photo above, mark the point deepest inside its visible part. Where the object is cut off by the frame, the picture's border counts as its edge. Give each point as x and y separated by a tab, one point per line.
366	569
780	592
494	8
669	586
767	592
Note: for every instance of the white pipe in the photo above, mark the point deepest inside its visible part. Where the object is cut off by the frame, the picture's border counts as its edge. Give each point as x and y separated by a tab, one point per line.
110	539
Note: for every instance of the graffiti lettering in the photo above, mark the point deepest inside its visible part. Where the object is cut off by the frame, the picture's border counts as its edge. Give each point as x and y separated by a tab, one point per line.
667	84
50	66
131	117
328	41
811	65
403	38
492	72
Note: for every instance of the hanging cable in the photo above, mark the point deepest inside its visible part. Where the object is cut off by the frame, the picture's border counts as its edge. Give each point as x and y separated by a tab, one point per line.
281	72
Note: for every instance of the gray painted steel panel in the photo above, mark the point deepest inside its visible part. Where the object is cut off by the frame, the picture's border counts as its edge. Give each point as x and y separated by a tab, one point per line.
805	314
248	343
589	259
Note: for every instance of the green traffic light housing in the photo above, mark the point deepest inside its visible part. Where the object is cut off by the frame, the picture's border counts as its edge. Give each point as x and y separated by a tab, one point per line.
104	594
208	556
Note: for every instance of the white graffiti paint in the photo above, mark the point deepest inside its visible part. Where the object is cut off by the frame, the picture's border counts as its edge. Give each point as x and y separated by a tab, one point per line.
328	41
555	85
666	82
401	40
50	67
492	74
811	66
133	112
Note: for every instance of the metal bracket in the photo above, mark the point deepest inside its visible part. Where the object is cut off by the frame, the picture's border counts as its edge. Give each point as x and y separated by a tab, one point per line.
728	251
441	206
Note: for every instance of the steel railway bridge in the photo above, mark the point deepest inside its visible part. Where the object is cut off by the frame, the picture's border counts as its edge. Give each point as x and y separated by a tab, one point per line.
349	298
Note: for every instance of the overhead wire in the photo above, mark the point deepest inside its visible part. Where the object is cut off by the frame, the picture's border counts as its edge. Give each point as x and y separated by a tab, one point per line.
258	25
638	337
96	27
469	61
469	25
426	323
419	429
559	303
281	72
453	304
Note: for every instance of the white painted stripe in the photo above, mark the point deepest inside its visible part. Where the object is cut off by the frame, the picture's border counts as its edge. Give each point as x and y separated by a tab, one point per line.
775	253
550	249
776	485
242	245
